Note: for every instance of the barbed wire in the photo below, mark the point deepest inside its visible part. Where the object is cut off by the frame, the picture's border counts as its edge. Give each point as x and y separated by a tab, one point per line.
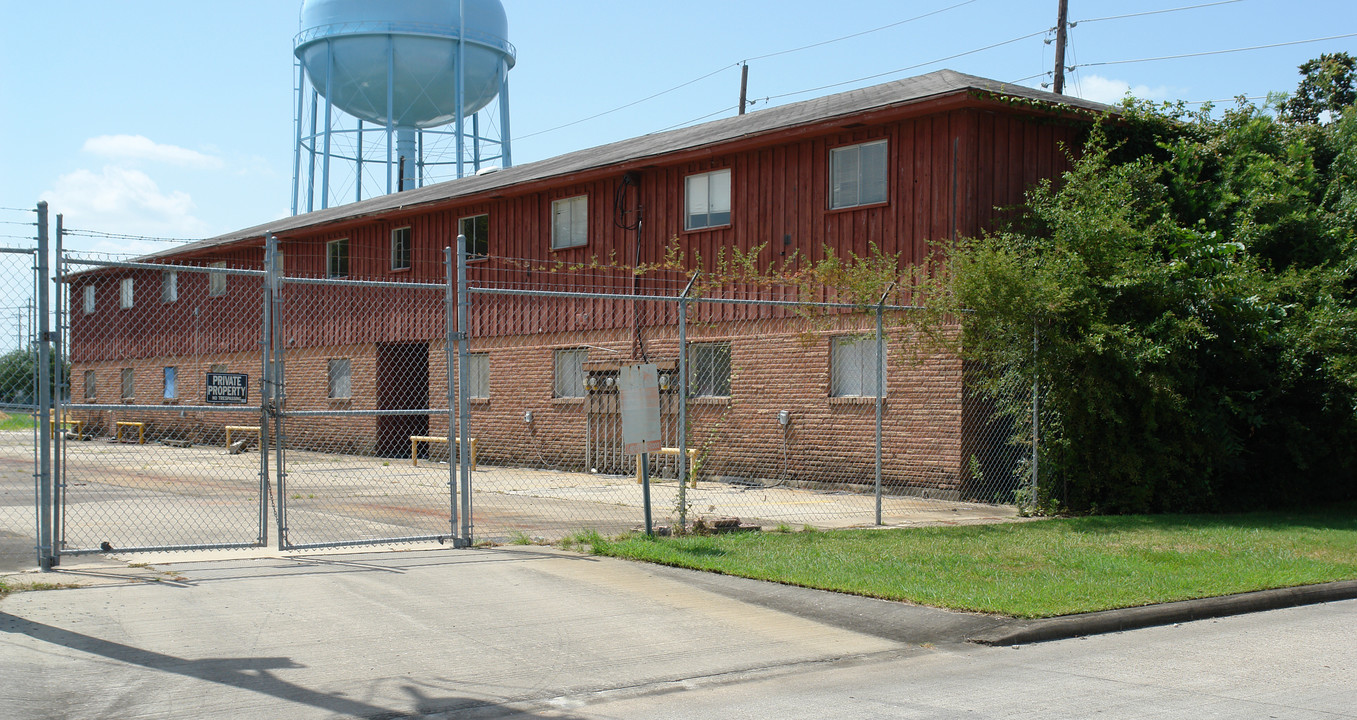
122	236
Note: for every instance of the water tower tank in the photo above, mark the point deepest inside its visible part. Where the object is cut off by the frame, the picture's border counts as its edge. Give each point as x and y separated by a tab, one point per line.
397	64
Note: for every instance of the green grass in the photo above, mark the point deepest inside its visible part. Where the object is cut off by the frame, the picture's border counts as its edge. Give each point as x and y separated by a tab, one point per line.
1034	569
16	422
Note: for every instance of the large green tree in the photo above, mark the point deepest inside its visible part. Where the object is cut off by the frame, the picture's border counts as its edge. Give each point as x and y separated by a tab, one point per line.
1191	287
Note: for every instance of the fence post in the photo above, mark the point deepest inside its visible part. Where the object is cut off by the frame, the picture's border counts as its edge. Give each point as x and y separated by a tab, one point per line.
45	559
463	405
266	386
449	318
682	467
1036	416
273	400
59	367
880	389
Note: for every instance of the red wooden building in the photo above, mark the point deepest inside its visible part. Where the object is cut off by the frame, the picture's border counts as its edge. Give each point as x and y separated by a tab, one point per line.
903	166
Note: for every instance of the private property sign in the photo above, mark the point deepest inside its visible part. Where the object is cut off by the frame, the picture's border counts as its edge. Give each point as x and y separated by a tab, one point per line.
639	386
228	388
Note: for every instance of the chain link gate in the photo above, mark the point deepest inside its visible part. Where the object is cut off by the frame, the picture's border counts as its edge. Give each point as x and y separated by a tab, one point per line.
162	407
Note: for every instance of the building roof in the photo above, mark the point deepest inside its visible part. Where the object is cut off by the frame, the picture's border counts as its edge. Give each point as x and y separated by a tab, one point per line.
900	92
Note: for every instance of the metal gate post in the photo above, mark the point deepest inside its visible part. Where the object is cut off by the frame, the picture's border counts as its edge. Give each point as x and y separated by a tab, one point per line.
44	371
266	387
463	406
449	316
59	449
276	377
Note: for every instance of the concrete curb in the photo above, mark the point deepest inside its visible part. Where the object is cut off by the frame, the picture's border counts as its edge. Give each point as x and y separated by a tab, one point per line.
1032	631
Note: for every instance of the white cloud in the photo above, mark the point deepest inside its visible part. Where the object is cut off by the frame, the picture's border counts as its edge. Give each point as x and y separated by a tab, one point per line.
1108	90
123	200
138	147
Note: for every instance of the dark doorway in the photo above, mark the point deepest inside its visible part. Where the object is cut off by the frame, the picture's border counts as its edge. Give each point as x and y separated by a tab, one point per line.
402	384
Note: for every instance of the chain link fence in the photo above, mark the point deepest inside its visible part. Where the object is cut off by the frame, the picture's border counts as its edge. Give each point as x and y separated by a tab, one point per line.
18	397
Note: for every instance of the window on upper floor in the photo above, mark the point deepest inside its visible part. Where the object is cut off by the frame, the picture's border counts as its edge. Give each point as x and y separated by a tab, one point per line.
853	366
857	175
400	249
337	258
570	222
216	281
169	286
477	231
707	200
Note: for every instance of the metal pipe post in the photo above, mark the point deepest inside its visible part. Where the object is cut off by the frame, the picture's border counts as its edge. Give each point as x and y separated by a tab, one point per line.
44	385
463	382
59	353
276	403
266	389
683	403
449	312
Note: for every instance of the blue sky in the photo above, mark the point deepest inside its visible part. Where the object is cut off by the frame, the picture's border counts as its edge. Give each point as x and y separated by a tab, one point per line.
175	119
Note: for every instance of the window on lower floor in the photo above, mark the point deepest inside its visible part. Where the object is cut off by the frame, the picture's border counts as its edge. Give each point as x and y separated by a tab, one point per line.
91	388
570	222
337	258
853	366
126	293
478	376
169	286
171	383
400	249
709	369
340	379
477	231
568	378
128	384
857	174
89	299
707	197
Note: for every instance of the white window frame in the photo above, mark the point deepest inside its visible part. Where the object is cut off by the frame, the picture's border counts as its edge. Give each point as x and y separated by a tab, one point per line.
856	178
127	293
851	359
708	370
339	379
91	385
127	384
475	238
478	375
89	300
567	372
401	251
171	383
169	286
337	263
570	222
706	200
216	281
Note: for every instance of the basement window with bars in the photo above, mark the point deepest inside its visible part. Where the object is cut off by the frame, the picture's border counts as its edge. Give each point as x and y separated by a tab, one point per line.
126	293
570	222
709	369
169	286
216	281
340	379
568	377
853	366
857	175
708	200
477	231
478	376
337	258
400	249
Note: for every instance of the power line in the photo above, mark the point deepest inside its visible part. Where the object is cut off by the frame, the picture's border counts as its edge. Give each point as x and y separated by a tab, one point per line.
1154	12
859	34
906	69
1218	52
698	119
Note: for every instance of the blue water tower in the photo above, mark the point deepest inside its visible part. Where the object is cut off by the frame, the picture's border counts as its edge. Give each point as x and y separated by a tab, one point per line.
404	86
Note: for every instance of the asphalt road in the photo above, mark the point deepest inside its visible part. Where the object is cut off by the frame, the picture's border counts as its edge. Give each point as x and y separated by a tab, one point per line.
536	633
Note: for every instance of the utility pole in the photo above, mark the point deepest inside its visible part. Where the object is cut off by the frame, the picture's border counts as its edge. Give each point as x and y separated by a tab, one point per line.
1062	21
744	85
